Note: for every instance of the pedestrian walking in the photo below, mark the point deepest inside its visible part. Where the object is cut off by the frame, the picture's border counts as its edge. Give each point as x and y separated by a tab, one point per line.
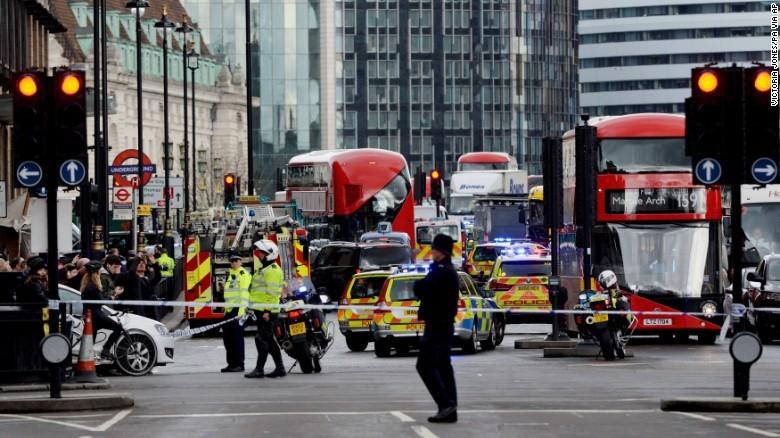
266	289
138	286
236	300
92	289
438	295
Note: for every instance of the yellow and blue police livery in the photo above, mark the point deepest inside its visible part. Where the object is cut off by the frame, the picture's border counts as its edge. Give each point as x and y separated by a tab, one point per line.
395	325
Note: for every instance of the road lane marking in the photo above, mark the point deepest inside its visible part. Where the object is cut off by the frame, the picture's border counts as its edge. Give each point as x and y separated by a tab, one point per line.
752	430
65	417
348	413
401	416
113	420
696	416
424	432
46	420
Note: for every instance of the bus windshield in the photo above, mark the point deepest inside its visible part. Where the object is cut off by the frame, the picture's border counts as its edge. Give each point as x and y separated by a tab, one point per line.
669	260
634	155
461	205
759	221
484	166
426	233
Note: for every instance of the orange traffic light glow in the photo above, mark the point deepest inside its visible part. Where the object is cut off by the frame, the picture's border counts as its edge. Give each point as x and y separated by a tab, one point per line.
707	82
435	174
229	179
763	81
27	86
70	84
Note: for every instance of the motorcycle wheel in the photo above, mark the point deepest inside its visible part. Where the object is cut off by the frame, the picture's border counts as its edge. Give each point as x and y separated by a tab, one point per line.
317	367
606	344
301	354
356	343
621	352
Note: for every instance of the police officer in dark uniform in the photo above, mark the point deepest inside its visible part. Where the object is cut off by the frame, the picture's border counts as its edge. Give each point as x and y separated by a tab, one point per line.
438	295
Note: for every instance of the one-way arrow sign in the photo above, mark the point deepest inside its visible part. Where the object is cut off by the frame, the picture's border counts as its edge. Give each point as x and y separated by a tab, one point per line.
29	173
764	170
72	172
708	171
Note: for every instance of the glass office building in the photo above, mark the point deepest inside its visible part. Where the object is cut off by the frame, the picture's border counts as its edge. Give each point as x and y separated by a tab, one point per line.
434	80
287	64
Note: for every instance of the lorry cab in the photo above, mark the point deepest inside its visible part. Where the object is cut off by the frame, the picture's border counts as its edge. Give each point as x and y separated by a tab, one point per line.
426	230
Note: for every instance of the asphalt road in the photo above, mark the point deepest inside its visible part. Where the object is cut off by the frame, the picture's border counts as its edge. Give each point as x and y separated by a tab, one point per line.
506	392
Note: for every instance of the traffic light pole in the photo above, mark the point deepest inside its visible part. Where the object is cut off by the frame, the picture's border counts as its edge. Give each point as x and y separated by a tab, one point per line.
139	105
101	177
194	149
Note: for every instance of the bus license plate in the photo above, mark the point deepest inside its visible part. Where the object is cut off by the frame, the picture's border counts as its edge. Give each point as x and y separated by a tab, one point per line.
298	329
658	321
600	317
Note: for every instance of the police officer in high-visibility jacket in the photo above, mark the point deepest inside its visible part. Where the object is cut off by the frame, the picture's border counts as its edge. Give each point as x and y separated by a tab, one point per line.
266	289
236	301
167	264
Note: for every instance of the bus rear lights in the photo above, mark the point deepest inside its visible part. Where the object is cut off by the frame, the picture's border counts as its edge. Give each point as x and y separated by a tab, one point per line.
709	309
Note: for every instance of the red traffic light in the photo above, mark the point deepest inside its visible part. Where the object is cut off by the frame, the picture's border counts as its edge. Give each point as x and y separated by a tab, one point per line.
435	174
27	86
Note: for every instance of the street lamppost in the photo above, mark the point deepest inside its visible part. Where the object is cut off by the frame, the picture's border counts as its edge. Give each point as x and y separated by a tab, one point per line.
193	64
184	29
166	24
138	7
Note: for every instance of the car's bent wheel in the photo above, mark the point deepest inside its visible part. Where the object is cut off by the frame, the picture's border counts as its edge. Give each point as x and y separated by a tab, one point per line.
490	342
382	348
135	354
356	342
470	344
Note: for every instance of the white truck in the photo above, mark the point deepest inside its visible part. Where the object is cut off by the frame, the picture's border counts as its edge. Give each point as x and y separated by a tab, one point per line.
466	185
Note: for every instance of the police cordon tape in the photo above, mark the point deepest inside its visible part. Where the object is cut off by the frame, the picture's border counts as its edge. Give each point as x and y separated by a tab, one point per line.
297	305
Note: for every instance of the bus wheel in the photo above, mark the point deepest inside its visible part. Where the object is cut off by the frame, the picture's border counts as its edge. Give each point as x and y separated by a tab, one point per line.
707	339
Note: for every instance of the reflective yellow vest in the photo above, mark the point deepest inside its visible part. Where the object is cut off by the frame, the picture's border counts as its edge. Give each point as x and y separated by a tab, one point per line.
267	286
167	265
237	290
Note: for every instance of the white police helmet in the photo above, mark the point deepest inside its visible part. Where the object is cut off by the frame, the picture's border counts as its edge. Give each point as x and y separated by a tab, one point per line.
267	247
607	279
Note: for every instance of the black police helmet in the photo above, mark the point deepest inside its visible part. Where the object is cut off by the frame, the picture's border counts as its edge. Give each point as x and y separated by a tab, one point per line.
443	243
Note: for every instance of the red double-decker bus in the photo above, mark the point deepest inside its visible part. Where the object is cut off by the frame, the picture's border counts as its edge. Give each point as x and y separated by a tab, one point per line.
349	191
659	232
472	161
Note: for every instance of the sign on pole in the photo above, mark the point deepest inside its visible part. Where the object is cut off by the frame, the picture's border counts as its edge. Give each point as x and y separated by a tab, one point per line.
144	210
3	200
154	192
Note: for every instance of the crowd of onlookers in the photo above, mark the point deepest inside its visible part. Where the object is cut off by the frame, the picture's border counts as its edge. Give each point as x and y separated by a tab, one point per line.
113	277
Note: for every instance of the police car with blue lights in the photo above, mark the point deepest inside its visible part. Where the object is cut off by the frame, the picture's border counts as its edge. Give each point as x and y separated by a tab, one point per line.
395	325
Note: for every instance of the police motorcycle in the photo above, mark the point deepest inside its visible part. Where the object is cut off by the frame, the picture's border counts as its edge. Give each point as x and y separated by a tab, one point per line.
608	330
302	332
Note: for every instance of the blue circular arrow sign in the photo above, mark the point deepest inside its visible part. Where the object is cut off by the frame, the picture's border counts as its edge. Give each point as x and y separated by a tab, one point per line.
72	172
29	173
708	171
764	170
